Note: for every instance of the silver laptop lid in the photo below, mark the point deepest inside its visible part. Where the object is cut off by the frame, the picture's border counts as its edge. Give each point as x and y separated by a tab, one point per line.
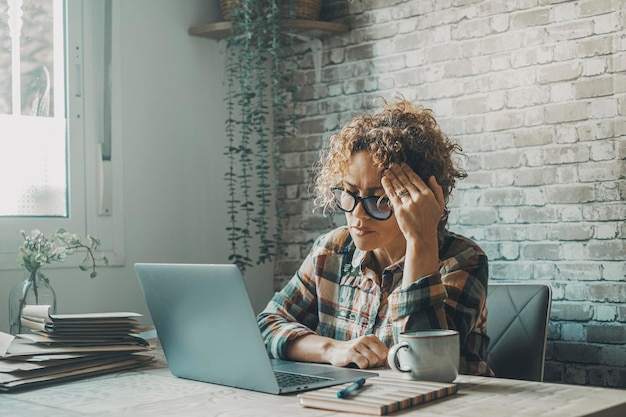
208	330
206	325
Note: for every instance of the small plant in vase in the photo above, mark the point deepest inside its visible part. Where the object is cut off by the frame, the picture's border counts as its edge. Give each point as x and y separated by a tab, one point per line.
37	251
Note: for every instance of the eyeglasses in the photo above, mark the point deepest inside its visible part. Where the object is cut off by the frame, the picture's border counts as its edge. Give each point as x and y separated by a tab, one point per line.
376	207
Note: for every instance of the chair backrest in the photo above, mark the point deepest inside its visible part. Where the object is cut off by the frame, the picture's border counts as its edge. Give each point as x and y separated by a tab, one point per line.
517	325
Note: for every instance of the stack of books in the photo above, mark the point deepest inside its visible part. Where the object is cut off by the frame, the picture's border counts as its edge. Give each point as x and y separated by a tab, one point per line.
70	346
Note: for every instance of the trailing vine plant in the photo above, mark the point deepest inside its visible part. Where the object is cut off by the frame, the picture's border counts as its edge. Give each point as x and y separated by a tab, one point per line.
259	106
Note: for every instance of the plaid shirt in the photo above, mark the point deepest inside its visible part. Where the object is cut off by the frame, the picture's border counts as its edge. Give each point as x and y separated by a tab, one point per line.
335	294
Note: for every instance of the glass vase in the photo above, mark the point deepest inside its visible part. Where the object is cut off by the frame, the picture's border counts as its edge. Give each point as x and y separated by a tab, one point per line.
31	291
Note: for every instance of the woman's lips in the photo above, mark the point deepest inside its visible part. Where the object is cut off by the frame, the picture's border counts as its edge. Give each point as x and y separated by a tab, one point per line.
360	231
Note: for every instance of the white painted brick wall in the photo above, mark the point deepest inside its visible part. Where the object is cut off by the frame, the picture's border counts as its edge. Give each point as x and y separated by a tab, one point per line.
535	92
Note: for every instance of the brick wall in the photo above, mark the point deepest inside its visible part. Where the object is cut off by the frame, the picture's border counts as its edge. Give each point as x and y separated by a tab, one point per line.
535	92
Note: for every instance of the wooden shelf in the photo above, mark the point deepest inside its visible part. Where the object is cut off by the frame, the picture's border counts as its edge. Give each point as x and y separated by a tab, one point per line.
304	28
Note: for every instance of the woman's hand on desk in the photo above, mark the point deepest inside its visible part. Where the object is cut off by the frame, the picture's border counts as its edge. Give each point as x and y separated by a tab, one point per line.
363	352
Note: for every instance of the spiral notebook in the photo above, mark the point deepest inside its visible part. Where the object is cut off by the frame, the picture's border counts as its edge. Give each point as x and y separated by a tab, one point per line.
379	396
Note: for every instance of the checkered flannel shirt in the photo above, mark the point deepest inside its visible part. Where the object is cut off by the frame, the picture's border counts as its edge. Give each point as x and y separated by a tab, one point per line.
335	294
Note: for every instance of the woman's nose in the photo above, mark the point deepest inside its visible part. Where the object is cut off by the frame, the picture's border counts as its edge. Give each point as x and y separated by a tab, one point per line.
359	210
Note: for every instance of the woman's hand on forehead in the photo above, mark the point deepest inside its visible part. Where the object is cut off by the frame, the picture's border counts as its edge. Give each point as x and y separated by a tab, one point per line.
418	206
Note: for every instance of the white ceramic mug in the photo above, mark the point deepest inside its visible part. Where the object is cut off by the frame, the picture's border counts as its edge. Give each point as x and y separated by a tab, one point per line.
428	355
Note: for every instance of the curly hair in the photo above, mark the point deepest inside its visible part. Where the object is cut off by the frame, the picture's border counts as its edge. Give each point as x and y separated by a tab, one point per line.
401	132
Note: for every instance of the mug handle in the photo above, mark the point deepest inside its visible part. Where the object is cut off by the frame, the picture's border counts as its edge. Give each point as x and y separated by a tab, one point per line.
392	357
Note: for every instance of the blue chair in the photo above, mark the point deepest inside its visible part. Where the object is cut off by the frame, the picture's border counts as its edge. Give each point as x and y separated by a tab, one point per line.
517	325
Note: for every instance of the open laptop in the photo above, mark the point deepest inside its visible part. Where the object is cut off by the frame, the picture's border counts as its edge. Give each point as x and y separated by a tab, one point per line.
208	331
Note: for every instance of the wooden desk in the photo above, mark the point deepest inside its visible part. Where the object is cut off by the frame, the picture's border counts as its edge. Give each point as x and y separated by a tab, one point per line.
153	391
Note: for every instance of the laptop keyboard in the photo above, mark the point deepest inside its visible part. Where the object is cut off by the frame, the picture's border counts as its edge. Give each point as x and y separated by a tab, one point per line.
287	379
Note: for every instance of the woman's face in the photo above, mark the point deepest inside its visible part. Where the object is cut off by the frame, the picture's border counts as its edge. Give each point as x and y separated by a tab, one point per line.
363	179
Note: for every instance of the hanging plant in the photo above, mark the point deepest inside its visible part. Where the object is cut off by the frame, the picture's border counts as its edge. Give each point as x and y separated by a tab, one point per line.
259	66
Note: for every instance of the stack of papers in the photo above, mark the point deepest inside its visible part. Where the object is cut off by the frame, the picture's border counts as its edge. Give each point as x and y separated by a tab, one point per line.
69	346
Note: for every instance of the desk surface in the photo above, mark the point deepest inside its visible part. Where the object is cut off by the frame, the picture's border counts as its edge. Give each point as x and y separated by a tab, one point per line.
154	391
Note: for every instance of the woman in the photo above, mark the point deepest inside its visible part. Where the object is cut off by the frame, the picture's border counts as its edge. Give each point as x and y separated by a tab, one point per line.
394	267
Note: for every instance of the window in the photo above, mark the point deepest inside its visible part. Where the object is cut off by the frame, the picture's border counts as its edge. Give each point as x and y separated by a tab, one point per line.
32	107
58	82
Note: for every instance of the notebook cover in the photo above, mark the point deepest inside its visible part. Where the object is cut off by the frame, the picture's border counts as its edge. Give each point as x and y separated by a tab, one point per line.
379	396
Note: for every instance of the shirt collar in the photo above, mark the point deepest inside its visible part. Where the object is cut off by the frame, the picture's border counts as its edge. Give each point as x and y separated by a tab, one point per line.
363	258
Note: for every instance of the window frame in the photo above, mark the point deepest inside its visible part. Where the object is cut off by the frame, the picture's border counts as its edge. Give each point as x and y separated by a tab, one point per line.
90	177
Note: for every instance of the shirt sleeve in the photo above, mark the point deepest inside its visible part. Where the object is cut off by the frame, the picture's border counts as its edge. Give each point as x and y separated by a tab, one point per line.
291	313
465	278
454	298
419	306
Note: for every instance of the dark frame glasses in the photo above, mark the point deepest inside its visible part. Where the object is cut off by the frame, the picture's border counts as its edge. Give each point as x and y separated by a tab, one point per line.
376	207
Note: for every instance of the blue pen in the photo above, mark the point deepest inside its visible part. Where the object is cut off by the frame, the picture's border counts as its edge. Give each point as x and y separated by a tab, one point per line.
355	386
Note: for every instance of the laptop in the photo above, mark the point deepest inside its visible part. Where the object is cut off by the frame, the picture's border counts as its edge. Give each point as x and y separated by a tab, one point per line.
208	332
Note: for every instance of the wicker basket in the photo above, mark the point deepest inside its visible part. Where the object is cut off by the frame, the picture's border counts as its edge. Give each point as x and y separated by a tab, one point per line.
305	9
